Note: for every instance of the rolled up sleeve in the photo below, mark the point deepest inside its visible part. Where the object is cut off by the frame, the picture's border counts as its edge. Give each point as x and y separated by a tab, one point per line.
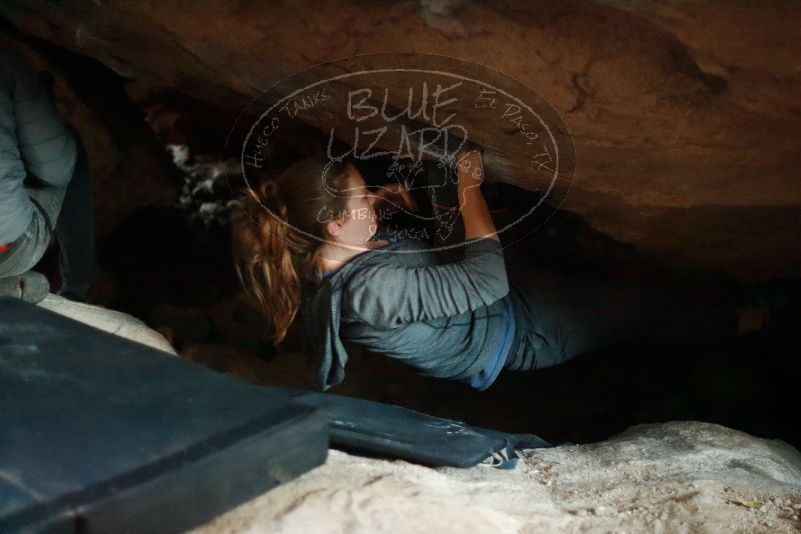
388	296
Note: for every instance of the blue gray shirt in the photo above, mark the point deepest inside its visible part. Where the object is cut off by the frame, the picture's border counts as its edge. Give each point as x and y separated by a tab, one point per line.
32	140
445	320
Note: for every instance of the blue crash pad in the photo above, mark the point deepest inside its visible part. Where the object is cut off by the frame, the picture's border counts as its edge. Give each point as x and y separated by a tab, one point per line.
98	433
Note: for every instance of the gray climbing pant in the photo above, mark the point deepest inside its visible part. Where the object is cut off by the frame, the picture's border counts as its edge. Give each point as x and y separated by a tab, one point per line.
560	317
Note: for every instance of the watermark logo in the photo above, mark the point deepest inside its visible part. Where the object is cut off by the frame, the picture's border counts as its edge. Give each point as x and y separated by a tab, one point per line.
407	121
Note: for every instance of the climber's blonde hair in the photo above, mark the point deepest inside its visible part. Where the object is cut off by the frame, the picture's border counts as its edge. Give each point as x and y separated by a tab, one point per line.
273	260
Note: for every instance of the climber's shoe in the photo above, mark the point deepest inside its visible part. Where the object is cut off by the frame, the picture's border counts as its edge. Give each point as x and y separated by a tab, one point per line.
31	287
780	301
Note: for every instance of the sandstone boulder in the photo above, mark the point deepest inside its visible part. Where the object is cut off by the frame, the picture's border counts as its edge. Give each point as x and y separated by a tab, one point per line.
684	113
112	321
671	477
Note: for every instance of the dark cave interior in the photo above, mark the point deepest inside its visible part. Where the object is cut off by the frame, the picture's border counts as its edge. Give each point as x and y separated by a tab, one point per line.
172	267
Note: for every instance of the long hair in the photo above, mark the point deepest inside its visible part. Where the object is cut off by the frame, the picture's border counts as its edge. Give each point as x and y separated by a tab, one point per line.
273	260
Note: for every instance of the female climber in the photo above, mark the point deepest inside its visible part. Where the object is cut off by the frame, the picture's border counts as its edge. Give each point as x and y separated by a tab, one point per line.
308	241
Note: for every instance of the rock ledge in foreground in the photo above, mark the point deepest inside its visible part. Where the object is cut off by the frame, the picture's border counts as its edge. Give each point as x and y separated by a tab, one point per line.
671	477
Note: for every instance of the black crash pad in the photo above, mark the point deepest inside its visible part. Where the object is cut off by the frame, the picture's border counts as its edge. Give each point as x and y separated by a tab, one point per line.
393	431
101	434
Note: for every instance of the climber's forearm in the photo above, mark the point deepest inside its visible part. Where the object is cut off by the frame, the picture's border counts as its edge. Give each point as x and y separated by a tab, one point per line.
475	213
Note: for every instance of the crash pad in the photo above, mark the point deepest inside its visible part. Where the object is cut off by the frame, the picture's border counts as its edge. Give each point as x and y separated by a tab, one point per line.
99	433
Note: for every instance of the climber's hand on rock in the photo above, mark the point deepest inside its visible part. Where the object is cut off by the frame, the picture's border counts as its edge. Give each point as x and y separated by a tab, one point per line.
397	195
470	166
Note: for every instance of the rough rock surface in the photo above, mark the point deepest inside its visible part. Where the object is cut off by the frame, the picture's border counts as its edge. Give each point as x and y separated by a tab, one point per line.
684	113
111	321
128	167
672	477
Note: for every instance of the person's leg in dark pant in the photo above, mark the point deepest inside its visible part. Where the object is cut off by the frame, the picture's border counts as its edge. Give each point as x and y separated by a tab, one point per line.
563	317
75	231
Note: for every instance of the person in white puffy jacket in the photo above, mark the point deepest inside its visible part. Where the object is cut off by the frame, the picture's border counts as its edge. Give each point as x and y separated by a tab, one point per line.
44	188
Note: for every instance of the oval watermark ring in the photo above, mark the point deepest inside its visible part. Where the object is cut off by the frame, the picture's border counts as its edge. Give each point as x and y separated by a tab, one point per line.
411	109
